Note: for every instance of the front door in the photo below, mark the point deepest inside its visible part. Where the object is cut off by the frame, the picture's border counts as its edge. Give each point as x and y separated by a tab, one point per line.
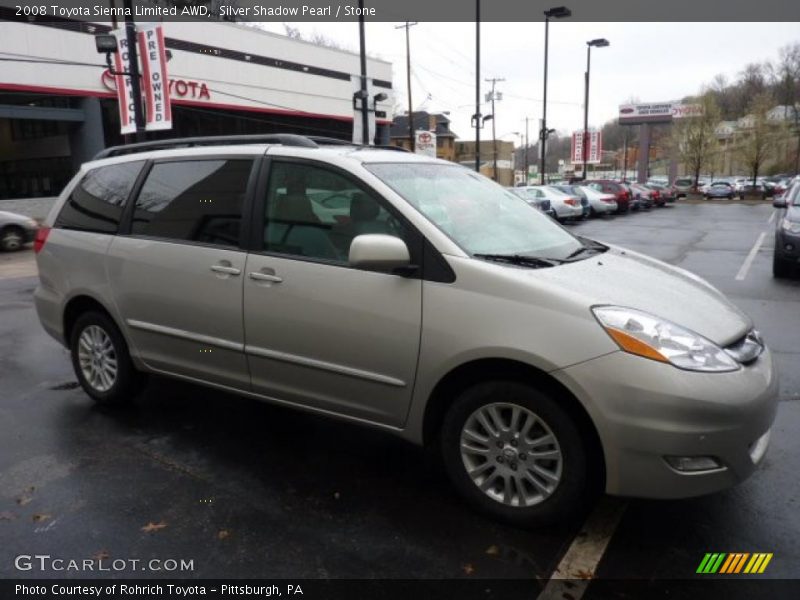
318	332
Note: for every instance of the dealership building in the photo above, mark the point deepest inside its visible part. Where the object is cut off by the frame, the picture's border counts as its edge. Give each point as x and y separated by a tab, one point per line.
58	103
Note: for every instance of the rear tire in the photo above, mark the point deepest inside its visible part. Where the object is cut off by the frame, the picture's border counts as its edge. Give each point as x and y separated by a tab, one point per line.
101	360
489	438
12	238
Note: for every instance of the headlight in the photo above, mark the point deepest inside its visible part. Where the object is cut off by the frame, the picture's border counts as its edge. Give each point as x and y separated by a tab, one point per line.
791	226
645	335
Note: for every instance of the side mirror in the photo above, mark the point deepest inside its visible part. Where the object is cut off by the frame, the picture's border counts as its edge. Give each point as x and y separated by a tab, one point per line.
379	252
779	202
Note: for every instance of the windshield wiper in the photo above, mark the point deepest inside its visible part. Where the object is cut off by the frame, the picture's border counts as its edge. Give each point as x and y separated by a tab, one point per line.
589	245
521	259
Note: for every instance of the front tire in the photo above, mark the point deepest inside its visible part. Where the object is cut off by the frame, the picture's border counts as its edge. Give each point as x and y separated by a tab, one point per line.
515	454
781	269
101	360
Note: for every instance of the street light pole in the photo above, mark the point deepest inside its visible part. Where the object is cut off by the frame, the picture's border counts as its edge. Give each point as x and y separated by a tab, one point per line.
364	93
477	116
136	89
411	138
598	43
557	12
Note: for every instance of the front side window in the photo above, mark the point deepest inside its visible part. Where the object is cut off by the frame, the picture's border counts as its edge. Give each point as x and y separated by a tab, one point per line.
193	200
97	202
315	212
477	214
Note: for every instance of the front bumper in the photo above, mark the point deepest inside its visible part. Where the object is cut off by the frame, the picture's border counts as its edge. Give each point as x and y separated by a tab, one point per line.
645	411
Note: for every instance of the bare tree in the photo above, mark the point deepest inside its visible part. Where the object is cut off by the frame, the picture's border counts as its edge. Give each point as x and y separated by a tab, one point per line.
756	145
695	138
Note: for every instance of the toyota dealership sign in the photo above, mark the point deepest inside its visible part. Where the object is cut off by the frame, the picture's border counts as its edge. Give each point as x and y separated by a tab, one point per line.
657	112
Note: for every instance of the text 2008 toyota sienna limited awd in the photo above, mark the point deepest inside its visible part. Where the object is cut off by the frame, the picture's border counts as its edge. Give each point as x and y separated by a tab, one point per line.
412	295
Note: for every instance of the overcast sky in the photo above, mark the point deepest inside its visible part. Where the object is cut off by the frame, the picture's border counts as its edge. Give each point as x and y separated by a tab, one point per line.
649	61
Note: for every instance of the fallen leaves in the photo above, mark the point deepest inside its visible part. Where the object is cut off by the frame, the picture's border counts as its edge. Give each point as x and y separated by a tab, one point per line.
41	517
584	574
493	550
468	569
7	516
26	496
223	534
101	555
150	527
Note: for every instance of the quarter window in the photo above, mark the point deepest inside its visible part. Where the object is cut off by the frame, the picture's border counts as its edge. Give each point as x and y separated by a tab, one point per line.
197	201
97	202
316	213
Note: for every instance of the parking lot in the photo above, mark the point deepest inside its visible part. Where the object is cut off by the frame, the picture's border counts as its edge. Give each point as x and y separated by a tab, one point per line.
245	489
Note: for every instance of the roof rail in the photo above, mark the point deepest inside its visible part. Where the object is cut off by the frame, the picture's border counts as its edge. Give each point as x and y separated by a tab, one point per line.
285	139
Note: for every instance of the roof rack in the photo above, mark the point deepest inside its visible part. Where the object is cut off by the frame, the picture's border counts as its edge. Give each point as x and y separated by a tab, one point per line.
284	139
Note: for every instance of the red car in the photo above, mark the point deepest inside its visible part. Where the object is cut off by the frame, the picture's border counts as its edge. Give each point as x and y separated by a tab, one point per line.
609	186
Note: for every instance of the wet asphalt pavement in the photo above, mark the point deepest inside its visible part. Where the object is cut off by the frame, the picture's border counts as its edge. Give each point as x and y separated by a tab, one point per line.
246	489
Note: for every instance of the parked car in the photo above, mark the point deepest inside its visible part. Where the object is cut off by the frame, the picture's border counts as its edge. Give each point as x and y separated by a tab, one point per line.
16	231
647	196
748	189
598	203
566	207
683	186
542	366
535	198
667	192
608	186
786	257
719	189
635	199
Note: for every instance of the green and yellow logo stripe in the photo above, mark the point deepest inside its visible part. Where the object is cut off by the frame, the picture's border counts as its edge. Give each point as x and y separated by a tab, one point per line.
734	562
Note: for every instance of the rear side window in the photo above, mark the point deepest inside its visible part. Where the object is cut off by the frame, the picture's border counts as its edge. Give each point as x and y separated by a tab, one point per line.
97	202
195	201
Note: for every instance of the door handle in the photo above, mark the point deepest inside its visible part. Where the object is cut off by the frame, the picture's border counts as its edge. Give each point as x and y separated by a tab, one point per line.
258	276
226	270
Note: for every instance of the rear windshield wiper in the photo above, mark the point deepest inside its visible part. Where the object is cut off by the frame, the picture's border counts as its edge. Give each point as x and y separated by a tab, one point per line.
520	259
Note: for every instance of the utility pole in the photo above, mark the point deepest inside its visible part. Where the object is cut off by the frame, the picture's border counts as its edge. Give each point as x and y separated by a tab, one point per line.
477	116
411	137
625	157
364	93
526	150
494	96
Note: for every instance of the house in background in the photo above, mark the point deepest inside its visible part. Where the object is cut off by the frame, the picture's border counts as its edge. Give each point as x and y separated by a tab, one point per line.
438	123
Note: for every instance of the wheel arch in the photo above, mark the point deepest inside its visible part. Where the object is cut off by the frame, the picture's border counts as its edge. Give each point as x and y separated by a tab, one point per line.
78	305
476	371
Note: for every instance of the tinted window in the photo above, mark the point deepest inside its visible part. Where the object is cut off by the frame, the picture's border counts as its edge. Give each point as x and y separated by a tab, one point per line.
316	212
97	202
197	200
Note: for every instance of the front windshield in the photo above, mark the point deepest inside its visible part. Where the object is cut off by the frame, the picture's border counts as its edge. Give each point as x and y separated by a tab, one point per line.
475	212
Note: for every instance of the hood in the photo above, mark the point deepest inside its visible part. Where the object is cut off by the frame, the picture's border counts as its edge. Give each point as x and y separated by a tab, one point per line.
626	278
9	216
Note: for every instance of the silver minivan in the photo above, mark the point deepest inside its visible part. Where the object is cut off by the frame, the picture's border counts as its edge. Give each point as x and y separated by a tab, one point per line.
411	295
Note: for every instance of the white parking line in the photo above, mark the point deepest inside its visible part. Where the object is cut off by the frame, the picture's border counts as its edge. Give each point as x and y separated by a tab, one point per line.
577	567
750	257
772	217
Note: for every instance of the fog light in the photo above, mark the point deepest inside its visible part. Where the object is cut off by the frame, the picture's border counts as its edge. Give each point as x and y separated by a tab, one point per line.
789	247
691	464
759	448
